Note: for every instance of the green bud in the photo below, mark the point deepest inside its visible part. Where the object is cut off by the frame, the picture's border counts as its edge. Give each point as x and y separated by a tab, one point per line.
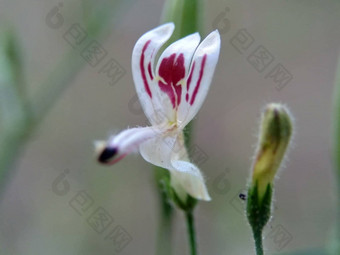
275	135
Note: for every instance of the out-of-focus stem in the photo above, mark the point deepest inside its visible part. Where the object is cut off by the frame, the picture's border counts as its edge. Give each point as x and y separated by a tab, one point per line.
163	245
335	245
20	115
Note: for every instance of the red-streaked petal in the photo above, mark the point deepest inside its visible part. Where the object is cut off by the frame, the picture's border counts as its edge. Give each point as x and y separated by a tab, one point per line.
143	58
198	82
172	70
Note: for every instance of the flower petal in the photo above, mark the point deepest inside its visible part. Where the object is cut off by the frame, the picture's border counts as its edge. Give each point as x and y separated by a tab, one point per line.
143	57
158	150
168	151
186	174
172	69
190	178
117	147
199	79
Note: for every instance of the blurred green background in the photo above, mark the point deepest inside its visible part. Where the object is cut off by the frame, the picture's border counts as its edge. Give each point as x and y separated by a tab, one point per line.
303	36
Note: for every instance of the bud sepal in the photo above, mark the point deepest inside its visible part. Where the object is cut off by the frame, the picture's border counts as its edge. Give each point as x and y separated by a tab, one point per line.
259	212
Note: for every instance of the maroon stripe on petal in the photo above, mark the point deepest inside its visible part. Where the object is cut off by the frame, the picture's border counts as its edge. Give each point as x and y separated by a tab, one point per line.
150	71
189	81
172	70
199	80
142	69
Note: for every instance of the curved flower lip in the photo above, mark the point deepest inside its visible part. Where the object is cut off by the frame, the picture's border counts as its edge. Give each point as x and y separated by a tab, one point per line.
110	156
171	91
127	141
107	154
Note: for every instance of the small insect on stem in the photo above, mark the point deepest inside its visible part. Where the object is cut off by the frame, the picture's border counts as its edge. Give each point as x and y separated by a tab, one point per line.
242	196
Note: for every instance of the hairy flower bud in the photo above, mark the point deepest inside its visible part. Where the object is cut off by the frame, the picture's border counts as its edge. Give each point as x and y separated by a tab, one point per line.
275	135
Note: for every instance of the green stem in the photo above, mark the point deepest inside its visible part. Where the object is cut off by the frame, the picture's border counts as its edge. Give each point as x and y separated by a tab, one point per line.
258	242
25	114
164	234
335	245
15	114
191	232
163	245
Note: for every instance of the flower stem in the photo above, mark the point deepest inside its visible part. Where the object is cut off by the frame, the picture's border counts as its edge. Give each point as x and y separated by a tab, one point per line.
163	245
335	242
191	232
164	235
258	242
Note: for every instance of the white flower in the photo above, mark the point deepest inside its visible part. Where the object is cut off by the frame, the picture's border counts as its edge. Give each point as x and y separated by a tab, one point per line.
171	93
